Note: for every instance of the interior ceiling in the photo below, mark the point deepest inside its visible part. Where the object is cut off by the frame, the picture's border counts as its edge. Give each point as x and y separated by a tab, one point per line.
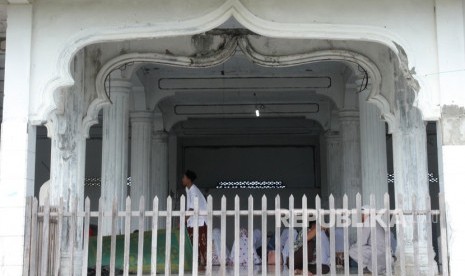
247	126
239	81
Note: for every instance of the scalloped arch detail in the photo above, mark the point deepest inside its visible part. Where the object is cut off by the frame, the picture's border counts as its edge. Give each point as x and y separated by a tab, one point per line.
230	8
375	96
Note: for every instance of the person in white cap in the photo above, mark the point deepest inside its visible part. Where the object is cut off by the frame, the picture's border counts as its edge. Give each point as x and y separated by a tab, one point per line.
367	244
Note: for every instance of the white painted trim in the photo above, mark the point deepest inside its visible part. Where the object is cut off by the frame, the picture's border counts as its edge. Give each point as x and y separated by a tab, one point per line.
375	96
230	8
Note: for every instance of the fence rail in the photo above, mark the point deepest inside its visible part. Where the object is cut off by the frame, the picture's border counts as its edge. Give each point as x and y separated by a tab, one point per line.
56	233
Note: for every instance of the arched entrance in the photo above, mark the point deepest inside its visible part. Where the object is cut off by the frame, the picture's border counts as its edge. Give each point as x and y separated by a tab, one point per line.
129	82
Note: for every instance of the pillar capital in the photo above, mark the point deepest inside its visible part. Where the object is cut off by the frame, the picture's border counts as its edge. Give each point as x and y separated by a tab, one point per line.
119	88
141	117
160	136
348	115
333	136
117	84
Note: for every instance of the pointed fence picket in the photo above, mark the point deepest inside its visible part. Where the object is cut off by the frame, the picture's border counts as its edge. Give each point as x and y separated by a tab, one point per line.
291	234
304	236
400	235
44	248
264	235
209	234
223	236
358	204
169	208
127	233
236	235
332	235
250	240
345	208
153	251
387	236
182	236
140	246
318	246
277	259
373	235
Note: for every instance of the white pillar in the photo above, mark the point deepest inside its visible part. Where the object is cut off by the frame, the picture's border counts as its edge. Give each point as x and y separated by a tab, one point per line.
115	148
67	173
17	140
350	145
373	152
451	143
411	176
67	161
159	175
141	140
334	166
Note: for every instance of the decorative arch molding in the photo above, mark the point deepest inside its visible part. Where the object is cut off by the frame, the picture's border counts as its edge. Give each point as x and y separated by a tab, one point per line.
143	58
344	56
229	8
227	52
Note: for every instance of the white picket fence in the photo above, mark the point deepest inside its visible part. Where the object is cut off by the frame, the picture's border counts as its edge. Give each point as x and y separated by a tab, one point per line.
44	225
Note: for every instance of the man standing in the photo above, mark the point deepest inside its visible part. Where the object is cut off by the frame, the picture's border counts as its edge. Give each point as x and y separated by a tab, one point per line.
193	192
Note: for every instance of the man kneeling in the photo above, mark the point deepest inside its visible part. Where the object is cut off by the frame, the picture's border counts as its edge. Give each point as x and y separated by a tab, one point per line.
367	245
311	245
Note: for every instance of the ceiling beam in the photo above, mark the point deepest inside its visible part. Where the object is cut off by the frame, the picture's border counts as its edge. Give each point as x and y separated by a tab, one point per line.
19	2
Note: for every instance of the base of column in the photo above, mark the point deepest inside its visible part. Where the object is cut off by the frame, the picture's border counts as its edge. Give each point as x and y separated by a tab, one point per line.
65	263
411	268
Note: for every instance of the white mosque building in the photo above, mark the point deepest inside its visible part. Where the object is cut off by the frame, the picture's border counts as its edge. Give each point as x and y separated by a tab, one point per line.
109	98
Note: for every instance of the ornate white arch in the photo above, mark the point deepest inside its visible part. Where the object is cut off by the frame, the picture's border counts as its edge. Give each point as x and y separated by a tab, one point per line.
141	58
373	71
229	8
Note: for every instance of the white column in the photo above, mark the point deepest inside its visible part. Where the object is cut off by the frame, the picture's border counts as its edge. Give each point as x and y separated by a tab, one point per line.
159	175
67	173
350	144
373	152
451	143
411	175
115	148
334	166
17	140
67	161
141	140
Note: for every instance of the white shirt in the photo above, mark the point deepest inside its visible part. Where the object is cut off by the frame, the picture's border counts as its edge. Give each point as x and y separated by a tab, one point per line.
325	251
285	243
191	194
367	247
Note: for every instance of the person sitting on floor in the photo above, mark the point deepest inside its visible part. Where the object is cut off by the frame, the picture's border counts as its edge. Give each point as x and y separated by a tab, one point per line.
366	242
243	249
311	245
216	247
271	247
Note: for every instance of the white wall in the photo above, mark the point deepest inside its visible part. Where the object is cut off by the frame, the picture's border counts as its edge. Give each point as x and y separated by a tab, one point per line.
410	24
